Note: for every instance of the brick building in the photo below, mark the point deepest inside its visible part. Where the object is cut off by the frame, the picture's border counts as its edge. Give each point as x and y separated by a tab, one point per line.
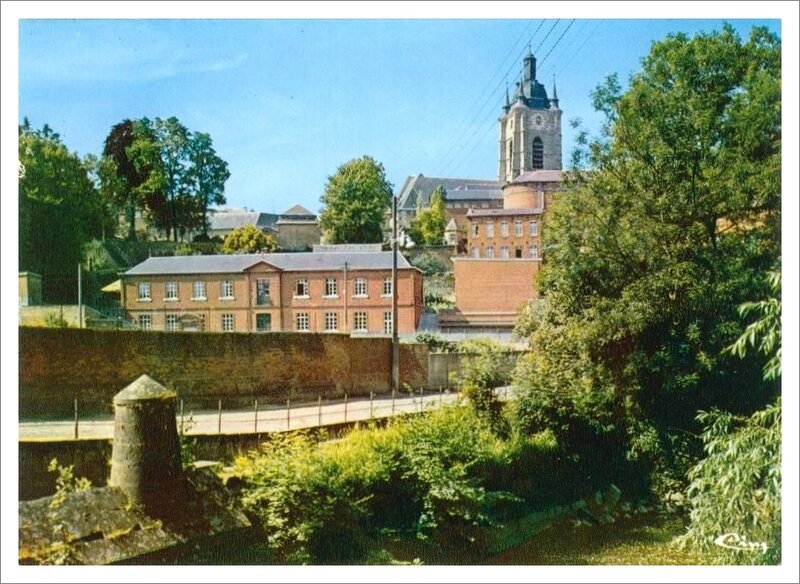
303	292
504	251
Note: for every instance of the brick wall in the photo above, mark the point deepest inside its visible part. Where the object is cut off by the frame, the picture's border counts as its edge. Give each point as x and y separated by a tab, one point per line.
494	289
59	365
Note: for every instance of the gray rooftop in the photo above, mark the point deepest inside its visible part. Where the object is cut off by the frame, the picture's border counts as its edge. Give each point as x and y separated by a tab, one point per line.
539	176
417	190
229	220
503	212
291	262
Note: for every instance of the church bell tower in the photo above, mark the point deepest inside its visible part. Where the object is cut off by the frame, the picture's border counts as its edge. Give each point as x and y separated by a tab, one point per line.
530	127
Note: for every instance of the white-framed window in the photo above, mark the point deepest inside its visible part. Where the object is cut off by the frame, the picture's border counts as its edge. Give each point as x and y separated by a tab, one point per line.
199	290
504	229
331	321
145	322
533	251
262	292
301	288
387	286
144	291
360	322
227	323
504	252
387	323
360	288
534	227
171	322
301	322
263	322
474	252
489	252
490	229
226	290
475	229
331	288
518	227
171	291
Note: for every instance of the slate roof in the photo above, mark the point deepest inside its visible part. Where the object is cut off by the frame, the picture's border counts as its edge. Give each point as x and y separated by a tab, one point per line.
539	176
418	188
292	262
298	211
227	220
503	212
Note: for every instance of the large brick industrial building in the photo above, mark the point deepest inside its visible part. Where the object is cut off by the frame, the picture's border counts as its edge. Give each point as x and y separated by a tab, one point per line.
321	291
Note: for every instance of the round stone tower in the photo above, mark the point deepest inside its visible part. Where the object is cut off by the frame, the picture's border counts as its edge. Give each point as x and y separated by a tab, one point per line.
146	457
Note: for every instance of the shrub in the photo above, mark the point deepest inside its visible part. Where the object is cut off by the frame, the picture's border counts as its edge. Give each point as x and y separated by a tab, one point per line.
55	320
435	343
736	489
430	264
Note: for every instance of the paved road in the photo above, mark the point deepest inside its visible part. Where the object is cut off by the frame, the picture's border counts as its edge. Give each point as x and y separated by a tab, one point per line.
242	421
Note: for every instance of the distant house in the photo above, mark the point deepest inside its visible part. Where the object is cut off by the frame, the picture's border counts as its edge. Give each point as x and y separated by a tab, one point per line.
461	194
222	221
328	291
298	229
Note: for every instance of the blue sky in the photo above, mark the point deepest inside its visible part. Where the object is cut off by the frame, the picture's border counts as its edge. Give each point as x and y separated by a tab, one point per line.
287	101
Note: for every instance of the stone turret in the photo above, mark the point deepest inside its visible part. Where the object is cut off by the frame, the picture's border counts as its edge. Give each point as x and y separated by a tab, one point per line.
146	456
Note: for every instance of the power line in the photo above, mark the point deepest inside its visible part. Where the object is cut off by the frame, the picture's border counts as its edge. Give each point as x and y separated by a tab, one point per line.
446	158
487	86
475	145
515	63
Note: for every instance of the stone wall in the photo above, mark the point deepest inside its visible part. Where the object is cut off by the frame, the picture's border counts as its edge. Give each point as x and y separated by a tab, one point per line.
60	365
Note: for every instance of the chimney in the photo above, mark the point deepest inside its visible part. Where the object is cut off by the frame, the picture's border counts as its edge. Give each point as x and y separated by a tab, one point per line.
146	457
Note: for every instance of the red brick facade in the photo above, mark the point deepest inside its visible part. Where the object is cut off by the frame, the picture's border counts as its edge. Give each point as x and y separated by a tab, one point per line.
266	299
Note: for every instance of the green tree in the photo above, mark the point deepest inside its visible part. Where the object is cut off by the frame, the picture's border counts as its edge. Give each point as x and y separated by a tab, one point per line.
651	254
208	174
427	228
355	202
59	211
249	239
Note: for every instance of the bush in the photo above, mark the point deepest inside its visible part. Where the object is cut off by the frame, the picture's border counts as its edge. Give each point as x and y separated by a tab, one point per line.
430	264
736	489
321	503
435	343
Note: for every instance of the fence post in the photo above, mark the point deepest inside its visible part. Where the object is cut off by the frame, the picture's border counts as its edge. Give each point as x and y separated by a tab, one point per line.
288	418
219	417
440	396
76	418
345	408
393	402
420	400
183	430
370	404
255	420
319	410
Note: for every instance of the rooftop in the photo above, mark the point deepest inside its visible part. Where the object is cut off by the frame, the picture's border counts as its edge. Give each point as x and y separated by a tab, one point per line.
503	212
417	189
539	176
292	262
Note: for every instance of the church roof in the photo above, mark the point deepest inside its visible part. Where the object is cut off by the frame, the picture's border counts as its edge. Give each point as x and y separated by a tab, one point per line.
417	190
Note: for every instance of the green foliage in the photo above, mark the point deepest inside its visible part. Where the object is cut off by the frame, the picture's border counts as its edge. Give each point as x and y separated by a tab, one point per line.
60	210
55	320
424	475
427	227
249	239
66	482
736	489
163	169
435	343
430	264
652	252
764	334
482	373
355	202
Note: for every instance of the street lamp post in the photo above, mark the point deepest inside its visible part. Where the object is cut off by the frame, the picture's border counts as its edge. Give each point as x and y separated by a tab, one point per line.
395	341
